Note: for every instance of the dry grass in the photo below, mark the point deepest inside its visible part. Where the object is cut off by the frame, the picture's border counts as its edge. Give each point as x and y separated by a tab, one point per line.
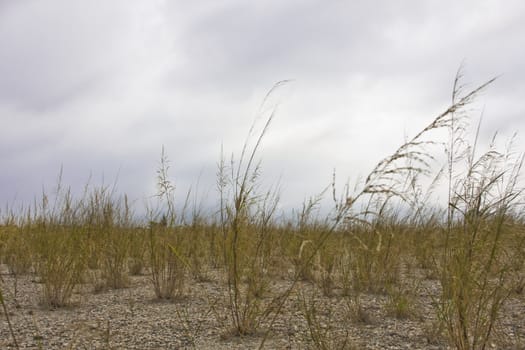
367	245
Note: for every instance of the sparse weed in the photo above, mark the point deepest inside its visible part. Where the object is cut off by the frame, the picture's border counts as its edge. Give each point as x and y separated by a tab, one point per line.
60	265
319	318
168	270
355	311
473	269
246	224
137	251
401	303
17	253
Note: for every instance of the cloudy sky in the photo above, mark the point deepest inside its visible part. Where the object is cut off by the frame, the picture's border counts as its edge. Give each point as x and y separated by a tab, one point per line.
98	87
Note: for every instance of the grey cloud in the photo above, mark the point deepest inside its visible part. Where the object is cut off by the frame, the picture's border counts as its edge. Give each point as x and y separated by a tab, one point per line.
321	40
101	86
58	50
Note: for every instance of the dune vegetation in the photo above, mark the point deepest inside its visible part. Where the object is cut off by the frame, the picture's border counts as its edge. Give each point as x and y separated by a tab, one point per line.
385	267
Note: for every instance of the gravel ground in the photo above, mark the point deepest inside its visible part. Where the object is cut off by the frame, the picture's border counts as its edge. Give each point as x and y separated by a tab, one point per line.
131	318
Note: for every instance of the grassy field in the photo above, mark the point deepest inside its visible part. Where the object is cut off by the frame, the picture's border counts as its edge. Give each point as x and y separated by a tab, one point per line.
382	255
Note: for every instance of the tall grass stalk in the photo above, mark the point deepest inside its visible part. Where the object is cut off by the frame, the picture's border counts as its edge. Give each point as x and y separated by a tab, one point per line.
474	271
167	270
246	219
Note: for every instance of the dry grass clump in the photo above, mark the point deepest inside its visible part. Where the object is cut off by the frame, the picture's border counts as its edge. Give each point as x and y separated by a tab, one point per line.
473	265
16	252
321	324
247	232
168	269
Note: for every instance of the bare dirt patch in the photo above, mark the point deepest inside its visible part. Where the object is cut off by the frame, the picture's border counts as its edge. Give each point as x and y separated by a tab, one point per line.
132	318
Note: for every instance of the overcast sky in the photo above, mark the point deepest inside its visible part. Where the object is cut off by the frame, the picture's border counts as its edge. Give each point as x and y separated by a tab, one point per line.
98	87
